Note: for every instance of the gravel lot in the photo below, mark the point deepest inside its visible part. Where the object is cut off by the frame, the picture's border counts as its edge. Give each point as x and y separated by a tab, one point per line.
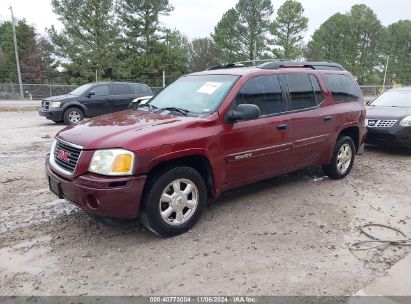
283	236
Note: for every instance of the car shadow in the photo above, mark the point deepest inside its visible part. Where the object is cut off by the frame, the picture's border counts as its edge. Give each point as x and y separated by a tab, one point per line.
391	150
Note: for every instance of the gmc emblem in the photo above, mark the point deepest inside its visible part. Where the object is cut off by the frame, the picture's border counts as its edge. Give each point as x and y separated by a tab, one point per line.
63	155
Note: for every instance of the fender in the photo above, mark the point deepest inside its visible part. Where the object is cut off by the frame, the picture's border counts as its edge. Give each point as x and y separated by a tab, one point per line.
343	127
77	105
214	163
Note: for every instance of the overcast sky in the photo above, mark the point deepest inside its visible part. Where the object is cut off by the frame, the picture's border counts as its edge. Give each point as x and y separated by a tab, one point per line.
197	18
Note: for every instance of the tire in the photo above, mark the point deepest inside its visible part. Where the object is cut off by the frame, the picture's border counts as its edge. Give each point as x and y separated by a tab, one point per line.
73	116
167	210
342	159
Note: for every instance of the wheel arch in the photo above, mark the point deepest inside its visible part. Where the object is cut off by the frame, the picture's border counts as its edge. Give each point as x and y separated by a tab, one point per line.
354	133
77	105
196	161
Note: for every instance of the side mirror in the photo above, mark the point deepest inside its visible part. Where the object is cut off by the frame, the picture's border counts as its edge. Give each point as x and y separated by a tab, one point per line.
91	93
244	112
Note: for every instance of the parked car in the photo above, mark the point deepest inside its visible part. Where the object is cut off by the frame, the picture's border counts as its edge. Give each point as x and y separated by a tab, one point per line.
139	101
206	133
91	100
389	118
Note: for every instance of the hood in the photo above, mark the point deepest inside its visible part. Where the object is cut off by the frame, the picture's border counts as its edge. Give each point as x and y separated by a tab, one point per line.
60	97
389	113
133	130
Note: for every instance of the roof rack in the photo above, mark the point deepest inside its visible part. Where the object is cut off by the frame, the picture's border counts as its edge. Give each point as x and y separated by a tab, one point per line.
303	64
227	66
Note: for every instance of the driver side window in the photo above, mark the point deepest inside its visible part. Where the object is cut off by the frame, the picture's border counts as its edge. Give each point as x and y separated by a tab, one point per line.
264	92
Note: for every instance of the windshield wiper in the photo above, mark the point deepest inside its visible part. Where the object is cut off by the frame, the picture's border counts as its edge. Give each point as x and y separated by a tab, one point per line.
145	105
183	112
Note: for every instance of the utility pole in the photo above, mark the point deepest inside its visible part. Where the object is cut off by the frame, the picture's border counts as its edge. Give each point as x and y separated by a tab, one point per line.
17	53
385	73
164	79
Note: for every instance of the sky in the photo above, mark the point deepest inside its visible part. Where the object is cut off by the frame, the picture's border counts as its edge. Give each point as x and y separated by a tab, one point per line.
197	18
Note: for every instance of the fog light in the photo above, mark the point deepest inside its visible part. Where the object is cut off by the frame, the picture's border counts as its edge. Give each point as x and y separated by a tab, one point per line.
92	202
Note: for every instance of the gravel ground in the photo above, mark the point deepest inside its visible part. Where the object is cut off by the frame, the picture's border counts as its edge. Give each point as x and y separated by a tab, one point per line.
288	235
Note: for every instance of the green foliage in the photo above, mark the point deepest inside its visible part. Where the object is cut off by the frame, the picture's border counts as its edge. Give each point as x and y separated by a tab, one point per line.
398	47
288	30
88	40
203	54
355	39
226	39
35	63
253	26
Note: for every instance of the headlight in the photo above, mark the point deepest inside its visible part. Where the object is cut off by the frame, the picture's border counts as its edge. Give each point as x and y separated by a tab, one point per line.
406	122
55	104
114	162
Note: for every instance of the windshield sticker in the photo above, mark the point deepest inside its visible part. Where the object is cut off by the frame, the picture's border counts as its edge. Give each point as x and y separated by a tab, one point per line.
209	88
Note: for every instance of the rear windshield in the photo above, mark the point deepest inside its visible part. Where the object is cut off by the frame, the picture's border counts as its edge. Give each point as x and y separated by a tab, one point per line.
401	99
197	94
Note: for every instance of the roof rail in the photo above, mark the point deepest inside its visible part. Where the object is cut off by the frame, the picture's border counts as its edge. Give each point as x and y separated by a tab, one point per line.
304	64
227	66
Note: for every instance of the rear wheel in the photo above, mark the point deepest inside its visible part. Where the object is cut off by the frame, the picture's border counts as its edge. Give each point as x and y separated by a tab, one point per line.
342	159
174	201
73	116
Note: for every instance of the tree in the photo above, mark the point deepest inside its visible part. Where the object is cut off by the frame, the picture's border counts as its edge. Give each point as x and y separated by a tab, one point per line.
87	42
141	24
288	30
226	38
35	68
354	39
253	25
203	54
398	47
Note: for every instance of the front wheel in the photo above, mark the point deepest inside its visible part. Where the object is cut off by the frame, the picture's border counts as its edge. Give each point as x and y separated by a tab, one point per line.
174	201
73	116
342	159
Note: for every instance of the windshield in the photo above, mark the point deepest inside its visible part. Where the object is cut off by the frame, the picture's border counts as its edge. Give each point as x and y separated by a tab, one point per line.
401	99
81	90
199	95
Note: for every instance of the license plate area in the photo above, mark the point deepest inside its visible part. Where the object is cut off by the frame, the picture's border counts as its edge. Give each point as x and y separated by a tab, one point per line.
55	187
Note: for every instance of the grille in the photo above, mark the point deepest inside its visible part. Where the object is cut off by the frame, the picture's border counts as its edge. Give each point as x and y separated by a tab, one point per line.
45	105
71	153
386	123
377	123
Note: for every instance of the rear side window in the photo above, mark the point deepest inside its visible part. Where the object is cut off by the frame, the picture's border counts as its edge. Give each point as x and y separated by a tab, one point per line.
301	91
120	89
264	92
101	90
140	88
342	87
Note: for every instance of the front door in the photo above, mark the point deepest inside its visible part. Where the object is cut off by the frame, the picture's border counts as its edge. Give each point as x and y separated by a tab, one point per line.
97	103
257	148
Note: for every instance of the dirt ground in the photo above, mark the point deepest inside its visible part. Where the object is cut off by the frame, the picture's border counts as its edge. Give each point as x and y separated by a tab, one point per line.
284	236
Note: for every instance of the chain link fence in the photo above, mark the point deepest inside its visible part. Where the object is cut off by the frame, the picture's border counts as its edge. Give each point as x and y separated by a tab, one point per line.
10	91
40	91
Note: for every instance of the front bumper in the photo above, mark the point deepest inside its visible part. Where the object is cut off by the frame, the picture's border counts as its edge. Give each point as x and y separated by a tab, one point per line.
396	135
117	197
52	114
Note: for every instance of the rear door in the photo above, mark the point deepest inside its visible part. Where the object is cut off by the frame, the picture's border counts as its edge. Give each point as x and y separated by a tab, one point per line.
121	94
311	121
257	148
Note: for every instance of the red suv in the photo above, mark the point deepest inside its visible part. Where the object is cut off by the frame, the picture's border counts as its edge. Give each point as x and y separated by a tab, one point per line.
206	133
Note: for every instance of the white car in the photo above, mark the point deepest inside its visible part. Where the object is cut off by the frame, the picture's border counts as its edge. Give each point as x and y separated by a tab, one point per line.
140	101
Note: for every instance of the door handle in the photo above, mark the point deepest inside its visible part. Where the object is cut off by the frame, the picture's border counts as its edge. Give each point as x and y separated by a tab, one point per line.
328	118
282	127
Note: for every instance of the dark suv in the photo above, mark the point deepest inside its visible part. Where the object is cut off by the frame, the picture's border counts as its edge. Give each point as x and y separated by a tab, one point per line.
206	133
91	100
